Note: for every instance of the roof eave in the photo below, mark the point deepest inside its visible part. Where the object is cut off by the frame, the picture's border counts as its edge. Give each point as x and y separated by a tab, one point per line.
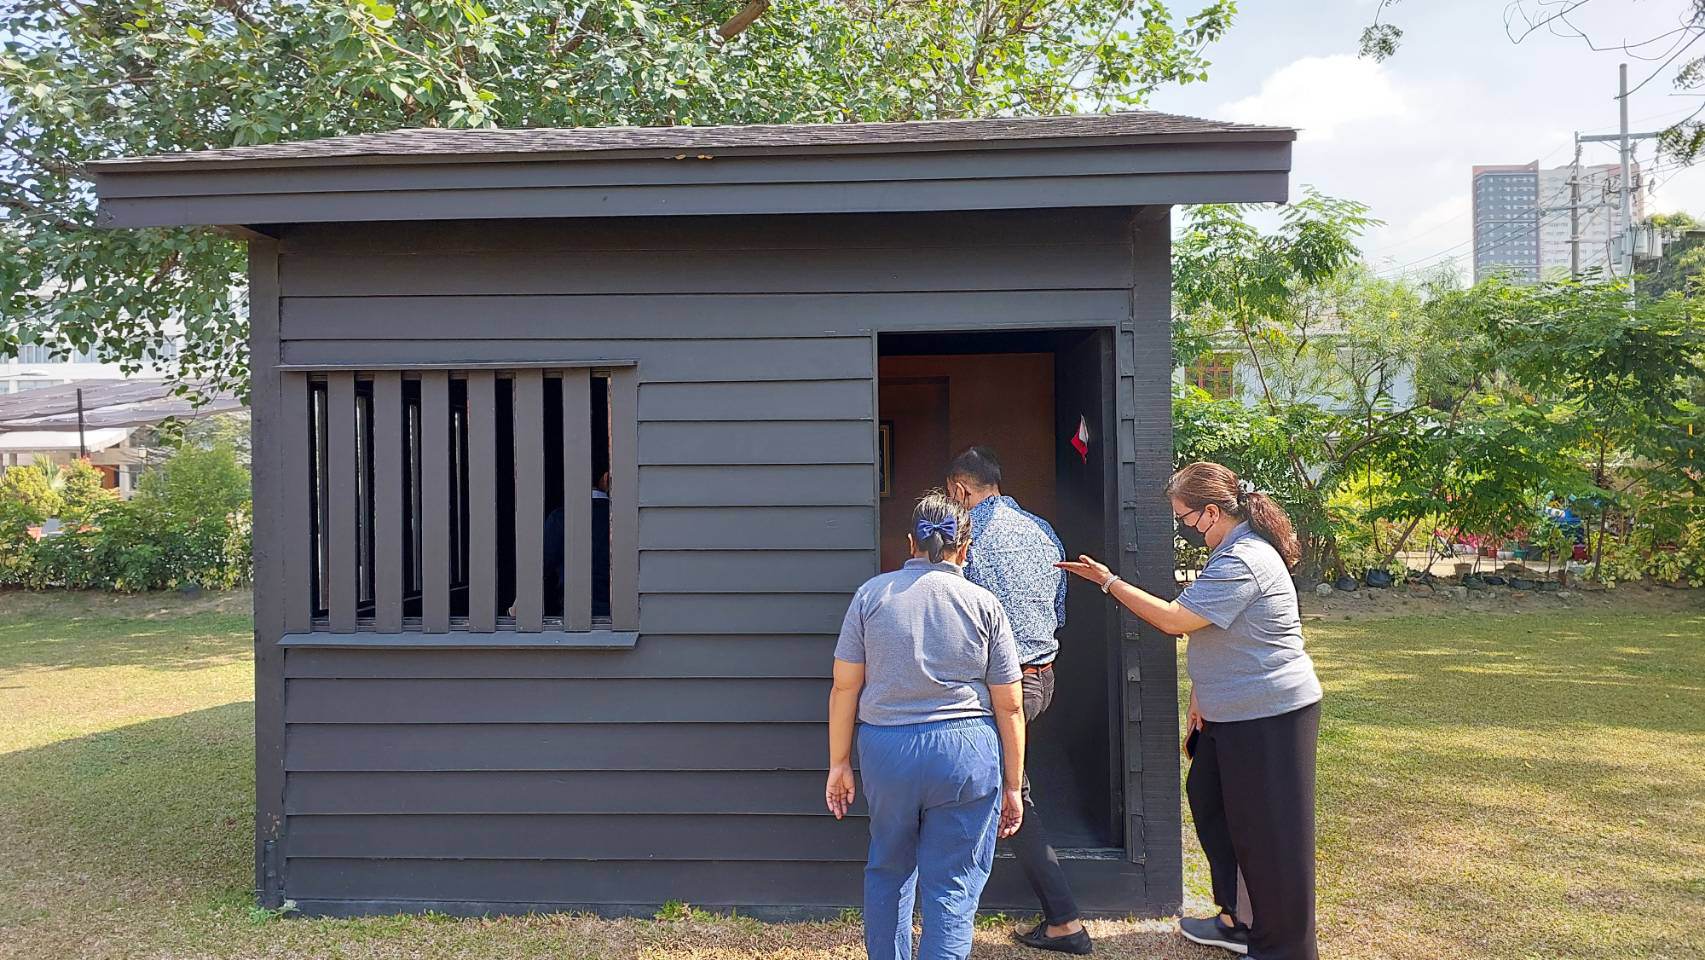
1113	171
176	162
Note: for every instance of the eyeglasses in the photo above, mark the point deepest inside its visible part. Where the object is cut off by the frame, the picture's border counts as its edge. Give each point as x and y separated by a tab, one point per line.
1185	521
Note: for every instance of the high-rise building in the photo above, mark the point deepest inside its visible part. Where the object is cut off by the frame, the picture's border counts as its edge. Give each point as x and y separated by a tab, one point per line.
1521	219
1506	221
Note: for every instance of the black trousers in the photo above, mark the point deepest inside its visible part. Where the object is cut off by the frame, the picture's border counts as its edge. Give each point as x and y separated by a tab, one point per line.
1030	845
1251	789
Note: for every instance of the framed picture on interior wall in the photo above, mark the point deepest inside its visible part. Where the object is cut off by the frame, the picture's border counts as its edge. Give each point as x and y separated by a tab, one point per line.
885	456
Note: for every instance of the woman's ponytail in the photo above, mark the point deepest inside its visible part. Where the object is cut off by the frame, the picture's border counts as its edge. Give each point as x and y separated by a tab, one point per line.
1269	520
1199	484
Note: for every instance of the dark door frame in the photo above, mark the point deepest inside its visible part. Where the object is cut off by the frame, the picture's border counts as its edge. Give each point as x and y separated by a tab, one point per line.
1059	341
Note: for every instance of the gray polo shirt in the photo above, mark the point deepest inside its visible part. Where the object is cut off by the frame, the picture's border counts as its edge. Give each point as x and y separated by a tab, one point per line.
931	643
1249	663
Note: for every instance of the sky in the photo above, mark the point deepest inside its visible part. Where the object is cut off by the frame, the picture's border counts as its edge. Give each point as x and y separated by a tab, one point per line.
1401	136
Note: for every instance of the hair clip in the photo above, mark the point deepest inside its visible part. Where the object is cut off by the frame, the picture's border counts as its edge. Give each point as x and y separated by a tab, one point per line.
948	528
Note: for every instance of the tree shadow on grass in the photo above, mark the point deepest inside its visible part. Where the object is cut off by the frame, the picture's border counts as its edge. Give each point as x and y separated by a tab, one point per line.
161	806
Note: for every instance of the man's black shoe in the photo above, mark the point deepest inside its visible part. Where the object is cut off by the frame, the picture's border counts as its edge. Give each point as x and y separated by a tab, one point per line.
1078	943
1211	932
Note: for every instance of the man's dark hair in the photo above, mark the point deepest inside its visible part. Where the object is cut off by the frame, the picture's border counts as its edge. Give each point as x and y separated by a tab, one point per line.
978	465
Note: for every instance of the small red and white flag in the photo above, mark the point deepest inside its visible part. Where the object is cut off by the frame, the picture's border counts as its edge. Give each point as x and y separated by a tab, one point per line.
1080	439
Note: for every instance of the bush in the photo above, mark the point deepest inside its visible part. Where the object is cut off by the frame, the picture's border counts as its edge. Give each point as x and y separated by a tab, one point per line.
1680	562
189	523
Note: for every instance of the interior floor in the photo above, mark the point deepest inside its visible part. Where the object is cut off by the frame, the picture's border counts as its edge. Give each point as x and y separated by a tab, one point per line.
1023	396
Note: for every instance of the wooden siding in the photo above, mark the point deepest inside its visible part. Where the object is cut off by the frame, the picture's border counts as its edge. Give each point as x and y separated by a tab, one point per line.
412	777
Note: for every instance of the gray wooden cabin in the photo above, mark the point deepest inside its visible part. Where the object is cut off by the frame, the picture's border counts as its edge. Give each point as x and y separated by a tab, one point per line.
771	338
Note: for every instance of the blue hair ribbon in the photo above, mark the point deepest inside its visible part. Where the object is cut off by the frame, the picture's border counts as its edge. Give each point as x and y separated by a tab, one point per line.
948	528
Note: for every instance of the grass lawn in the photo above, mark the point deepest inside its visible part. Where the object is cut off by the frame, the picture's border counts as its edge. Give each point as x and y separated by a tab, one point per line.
1491	786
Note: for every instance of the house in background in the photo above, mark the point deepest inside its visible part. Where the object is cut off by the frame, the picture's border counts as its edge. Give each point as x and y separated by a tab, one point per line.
770	338
102	421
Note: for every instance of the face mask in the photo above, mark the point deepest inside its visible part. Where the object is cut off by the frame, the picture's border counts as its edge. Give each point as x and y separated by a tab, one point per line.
1190	534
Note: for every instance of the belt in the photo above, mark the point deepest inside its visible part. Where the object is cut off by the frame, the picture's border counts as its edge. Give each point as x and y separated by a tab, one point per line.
1044	668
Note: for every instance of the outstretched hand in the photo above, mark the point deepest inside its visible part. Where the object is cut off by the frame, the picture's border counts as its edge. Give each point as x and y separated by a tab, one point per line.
1088	568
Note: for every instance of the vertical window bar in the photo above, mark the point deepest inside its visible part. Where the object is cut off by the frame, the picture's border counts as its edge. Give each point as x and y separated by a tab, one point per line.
387	450
529	425
482	501
436	512
341	493
577	499
322	544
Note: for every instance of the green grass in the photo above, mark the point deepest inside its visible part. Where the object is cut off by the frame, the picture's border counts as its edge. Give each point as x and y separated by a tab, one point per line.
1490	787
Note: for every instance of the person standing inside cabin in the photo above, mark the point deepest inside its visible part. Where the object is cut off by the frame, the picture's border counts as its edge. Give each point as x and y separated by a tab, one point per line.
1255	707
556	571
1013	556
927	669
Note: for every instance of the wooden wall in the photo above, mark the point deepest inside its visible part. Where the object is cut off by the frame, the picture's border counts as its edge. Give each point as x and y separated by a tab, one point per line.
688	767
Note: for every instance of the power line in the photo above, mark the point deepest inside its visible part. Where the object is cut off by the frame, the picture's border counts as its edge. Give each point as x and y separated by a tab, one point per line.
1486	243
1540	206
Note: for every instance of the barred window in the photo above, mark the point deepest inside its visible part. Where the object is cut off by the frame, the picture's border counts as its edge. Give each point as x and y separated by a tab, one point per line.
467	500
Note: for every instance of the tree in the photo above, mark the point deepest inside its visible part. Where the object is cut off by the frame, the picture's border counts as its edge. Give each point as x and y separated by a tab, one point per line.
86	79
1236	287
1683	261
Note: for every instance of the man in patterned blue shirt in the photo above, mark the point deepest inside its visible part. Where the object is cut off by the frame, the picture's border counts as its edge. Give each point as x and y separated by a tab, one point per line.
1012	556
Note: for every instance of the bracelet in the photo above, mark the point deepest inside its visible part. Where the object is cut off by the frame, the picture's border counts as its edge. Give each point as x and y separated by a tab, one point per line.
1107	585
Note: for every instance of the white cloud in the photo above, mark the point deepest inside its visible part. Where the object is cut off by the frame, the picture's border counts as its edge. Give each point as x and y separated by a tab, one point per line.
1319	95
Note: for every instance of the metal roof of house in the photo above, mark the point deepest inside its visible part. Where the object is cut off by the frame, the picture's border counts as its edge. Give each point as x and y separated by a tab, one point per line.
105	403
437	143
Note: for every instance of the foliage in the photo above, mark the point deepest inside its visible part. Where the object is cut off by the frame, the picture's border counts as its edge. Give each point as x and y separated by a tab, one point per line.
32	491
102	78
189	523
1383	410
1683	262
1646	553
1236	287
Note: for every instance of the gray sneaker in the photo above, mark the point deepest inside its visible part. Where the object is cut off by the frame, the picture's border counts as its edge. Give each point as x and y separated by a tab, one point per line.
1210	932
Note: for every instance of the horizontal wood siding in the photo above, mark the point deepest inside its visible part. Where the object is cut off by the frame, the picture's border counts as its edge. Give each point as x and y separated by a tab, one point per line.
702	793
689	766
554	701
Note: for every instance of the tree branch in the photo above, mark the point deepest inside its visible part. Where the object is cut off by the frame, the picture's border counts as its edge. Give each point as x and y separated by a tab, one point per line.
37	212
748	15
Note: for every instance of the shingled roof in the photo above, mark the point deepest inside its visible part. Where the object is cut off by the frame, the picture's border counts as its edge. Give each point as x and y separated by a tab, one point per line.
436	143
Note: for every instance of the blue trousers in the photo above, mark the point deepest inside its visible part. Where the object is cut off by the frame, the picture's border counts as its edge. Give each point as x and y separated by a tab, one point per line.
934	795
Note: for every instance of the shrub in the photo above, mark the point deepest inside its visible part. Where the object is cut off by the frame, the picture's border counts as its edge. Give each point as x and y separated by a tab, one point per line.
189	523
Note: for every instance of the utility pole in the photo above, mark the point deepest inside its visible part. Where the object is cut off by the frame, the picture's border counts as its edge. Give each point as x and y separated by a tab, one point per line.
1575	212
1627	178
82	445
1625	140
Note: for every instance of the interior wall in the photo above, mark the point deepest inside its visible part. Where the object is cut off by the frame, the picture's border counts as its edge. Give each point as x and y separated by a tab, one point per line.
936	406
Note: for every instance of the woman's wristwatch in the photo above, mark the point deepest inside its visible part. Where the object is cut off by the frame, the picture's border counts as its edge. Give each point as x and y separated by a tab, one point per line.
1107	584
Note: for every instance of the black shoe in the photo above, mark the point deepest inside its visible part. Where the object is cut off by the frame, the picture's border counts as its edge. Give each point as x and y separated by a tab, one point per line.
1211	932
1078	943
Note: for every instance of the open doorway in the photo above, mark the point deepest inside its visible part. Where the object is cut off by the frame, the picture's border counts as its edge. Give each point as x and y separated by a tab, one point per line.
1023	394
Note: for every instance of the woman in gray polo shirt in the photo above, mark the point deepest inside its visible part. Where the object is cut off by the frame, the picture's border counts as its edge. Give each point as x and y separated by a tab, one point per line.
1255	701
927	665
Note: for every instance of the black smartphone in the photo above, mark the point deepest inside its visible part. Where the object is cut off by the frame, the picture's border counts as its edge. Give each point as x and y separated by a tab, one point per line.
1190	742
